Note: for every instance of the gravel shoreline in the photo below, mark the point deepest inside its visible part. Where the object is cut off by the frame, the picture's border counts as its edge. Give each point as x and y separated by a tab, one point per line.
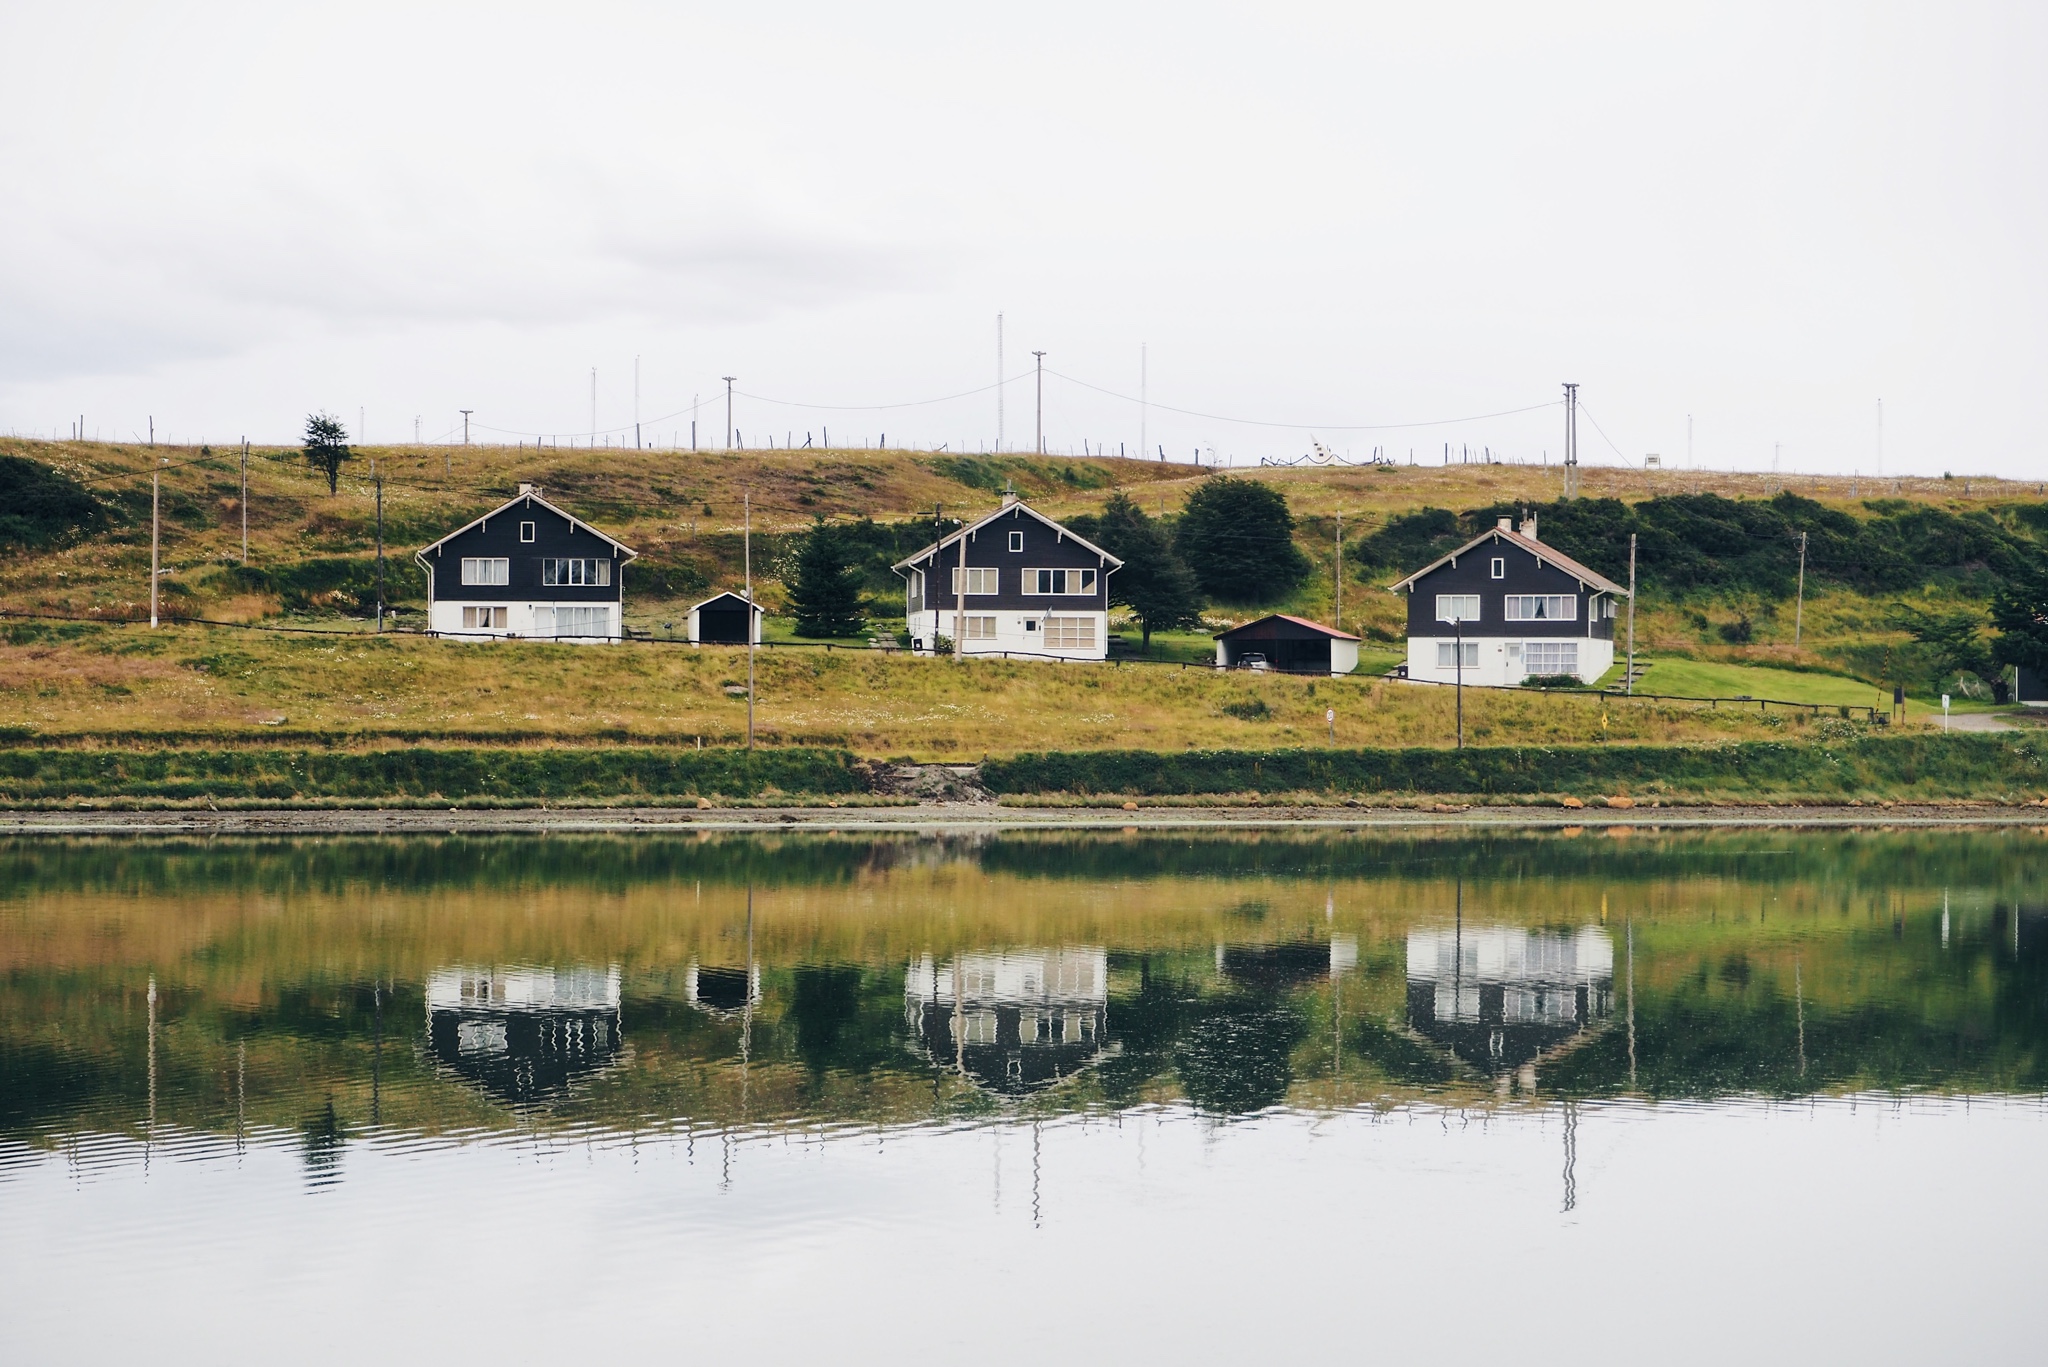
979	816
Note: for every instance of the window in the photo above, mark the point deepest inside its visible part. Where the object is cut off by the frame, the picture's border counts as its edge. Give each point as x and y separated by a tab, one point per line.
917	585
1457	607
526	531
1542	607
1059	581
978	580
1030	626
973	628
1500	568
1551	657
1016	541
556	573
1070	633
1447	654
487	571
591	621
483	619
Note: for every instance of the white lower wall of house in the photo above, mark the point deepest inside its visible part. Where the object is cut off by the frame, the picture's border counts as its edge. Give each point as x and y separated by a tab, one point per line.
1497	665
1011	634
527	621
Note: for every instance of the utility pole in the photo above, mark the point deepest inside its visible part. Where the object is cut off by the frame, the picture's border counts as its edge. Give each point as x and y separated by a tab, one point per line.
1631	681
1571	441
1041	401
1689	464
245	500
593	406
155	507
747	507
1459	648
152	429
728	409
960	599
1799	604
1880	447
999	384
1337	613
378	479
636	403
1144	399
465	423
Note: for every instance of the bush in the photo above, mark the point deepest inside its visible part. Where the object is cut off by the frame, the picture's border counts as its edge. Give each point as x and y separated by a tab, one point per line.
41	507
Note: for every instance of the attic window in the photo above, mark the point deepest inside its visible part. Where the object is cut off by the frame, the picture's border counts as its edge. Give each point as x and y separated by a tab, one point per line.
1500	568
526	531
1016	541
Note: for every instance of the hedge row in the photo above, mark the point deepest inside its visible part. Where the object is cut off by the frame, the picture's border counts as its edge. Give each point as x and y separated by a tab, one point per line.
1930	765
283	774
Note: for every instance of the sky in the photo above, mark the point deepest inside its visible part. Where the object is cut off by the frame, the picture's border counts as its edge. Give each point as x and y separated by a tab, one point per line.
1745	231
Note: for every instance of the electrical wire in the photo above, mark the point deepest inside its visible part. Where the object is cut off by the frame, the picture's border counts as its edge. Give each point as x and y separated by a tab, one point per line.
1603	434
1307	426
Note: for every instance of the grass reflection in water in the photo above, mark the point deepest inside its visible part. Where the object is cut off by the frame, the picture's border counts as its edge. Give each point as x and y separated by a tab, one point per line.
411	989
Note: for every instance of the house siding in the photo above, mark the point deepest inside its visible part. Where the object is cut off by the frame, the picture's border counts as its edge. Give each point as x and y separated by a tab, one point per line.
930	608
529	605
1502	646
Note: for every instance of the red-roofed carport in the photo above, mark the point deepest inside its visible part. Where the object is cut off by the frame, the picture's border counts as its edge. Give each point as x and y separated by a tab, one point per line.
1289	645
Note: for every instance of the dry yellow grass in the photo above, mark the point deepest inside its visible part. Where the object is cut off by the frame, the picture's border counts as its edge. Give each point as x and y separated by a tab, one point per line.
115	679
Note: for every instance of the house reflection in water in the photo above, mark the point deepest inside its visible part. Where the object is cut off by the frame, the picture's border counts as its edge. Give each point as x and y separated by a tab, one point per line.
524	1034
1505	999
722	989
1016	1020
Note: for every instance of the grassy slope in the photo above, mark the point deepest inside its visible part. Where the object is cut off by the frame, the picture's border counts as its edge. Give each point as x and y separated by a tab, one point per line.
122	679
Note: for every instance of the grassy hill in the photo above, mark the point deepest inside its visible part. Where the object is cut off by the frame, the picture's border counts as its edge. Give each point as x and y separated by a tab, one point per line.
311	565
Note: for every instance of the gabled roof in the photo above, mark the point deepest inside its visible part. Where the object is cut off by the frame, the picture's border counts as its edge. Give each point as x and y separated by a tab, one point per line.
739	598
1317	627
530	499
1544	554
1018	505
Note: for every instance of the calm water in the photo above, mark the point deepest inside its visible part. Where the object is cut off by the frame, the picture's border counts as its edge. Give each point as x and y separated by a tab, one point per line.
1562	1097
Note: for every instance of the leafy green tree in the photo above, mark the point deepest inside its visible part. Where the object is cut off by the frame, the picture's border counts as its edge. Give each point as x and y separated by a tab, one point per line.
1155	583
327	447
2019	613
1955	639
1237	535
826	594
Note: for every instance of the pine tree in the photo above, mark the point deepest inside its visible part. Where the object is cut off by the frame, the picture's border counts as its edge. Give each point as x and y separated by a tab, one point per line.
826	594
1154	583
327	447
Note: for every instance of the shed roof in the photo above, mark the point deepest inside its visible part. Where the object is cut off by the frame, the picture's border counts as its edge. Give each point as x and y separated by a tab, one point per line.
1590	577
1016	504
737	598
1252	629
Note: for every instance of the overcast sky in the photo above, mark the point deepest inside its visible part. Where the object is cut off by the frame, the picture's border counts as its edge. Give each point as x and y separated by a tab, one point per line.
1340	217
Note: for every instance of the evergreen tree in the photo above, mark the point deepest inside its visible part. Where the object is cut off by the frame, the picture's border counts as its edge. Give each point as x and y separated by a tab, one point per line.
1155	584
2019	611
826	594
327	447
1238	537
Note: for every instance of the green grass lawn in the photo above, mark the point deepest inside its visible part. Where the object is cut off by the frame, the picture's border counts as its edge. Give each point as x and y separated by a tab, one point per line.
1707	679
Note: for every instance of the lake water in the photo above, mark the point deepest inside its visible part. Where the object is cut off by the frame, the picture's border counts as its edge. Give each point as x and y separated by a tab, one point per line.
1574	1096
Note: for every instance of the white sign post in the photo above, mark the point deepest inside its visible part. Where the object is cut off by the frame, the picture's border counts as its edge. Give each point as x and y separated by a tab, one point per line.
1944	711
1330	716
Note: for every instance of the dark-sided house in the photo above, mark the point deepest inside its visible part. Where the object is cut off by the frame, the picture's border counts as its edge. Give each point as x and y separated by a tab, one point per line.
724	620
1525	610
1291	645
526	569
1028	586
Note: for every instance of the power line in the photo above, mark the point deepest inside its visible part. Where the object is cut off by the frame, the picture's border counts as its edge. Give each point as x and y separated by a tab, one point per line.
1304	426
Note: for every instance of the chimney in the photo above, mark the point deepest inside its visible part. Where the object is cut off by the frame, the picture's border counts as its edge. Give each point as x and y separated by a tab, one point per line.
527	490
1506	524
1009	497
1529	527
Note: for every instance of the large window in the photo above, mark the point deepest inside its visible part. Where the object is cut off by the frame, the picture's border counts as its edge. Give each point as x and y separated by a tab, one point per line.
978	580
591	621
1059	581
1070	633
488	571
1551	657
556	573
1447	654
1457	607
977	628
1542	607
483	619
